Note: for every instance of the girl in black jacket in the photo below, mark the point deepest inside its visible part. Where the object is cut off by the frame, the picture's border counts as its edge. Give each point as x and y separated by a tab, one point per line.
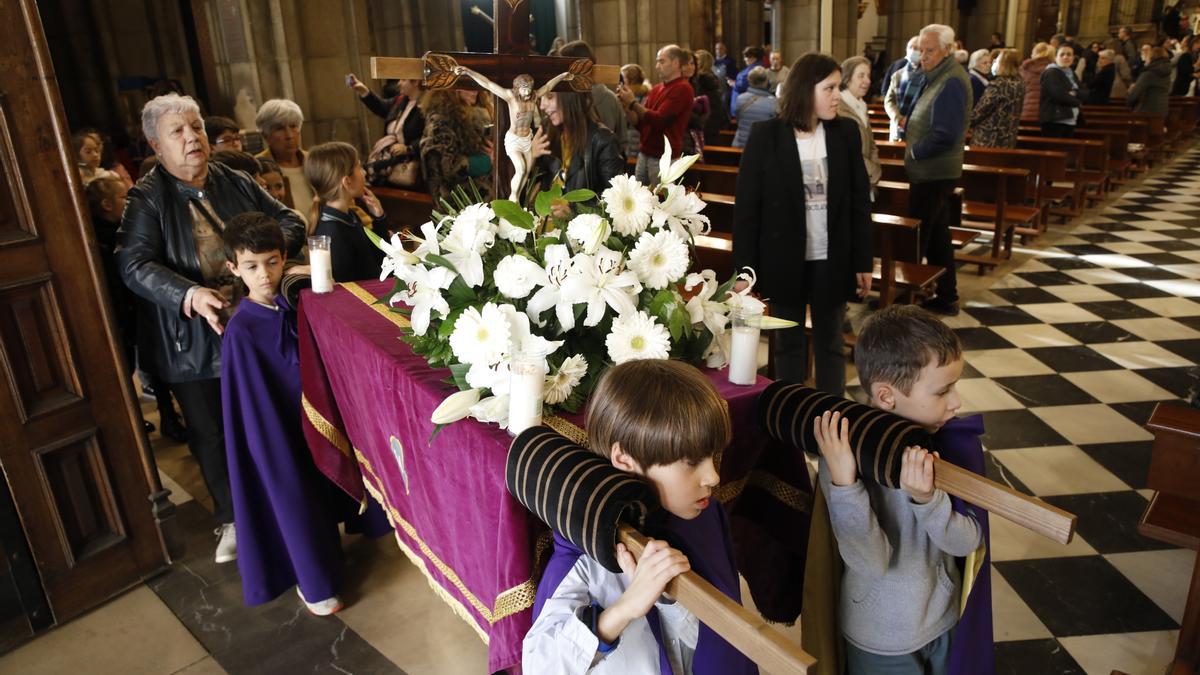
338	179
575	149
803	219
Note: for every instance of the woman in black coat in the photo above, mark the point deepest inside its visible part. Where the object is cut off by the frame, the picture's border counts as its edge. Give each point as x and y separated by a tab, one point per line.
402	119
575	149
803	219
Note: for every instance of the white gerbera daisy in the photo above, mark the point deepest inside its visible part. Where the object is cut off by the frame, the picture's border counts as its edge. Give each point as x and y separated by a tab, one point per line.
637	336
516	275
480	336
659	259
588	231
560	385
629	204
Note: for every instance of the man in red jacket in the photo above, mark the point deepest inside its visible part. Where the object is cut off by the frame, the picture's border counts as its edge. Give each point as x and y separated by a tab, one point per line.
665	112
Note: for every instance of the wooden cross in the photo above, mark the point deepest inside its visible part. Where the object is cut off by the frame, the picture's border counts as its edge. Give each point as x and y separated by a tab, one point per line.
511	58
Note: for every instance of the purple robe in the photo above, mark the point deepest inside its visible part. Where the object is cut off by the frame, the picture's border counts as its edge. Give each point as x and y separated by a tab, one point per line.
971	649
286	512
707	543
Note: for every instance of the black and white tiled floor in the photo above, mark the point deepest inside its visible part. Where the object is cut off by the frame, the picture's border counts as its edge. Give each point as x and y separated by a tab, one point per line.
1069	354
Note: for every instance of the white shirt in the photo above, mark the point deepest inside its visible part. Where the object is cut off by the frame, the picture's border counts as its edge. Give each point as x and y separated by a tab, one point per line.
559	643
814	163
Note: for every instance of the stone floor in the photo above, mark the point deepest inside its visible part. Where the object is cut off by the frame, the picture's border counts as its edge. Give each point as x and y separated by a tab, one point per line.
1070	345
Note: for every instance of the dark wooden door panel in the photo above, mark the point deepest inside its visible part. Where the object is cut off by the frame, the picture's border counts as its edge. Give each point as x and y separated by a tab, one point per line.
71	445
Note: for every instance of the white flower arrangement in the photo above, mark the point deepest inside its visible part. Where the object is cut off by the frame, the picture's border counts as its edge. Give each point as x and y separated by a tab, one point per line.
486	281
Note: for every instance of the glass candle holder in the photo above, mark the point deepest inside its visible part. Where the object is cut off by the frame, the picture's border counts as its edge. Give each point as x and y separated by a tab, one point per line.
320	263
743	349
526	385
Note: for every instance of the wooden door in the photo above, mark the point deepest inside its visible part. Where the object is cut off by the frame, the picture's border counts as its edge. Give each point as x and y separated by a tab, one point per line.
71	445
1048	12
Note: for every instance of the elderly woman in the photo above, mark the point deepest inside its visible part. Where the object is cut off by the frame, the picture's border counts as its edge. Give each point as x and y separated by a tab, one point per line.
856	82
279	121
755	104
996	116
170	254
980	70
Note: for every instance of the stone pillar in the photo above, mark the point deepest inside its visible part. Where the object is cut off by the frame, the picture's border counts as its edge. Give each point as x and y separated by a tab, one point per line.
846	41
800	27
632	31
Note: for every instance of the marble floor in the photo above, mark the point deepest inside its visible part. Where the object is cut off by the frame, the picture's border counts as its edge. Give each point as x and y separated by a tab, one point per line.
1070	346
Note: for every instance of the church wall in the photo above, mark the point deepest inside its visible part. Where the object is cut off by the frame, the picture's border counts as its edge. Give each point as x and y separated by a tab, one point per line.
800	27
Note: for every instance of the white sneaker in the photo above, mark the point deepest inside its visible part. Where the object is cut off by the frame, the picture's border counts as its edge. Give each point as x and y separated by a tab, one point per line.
330	605
226	544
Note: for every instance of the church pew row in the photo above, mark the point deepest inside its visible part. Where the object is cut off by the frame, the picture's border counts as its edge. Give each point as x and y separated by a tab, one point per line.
1087	169
406	209
1024	207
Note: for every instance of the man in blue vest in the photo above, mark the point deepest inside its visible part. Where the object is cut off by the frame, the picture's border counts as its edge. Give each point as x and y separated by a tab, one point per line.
935	129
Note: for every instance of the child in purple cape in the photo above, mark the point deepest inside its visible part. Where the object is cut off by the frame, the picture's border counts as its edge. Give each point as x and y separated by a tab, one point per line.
901	607
285	511
662	420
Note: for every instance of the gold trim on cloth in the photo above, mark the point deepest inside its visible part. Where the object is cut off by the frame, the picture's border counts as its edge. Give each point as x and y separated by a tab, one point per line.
777	488
324	427
373	302
508	602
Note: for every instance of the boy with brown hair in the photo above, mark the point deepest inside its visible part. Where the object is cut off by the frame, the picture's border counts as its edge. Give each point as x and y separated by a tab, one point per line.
662	420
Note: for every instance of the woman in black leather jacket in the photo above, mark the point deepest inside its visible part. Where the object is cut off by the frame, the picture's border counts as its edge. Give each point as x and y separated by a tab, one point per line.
170	254
576	149
1058	109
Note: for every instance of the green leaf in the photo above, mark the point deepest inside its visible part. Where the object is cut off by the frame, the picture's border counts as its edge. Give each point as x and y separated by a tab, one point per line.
579	196
439	260
679	325
447	326
375	239
541	244
460	294
513	213
459	372
542	204
663	305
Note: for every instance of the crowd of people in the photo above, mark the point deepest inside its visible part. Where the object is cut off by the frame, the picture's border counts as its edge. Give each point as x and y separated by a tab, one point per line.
208	227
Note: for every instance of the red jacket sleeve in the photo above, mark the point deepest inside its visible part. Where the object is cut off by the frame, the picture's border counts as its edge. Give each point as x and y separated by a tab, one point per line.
677	101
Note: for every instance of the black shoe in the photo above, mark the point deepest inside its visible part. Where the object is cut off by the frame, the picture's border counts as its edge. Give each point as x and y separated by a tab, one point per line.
172	428
939	306
148	426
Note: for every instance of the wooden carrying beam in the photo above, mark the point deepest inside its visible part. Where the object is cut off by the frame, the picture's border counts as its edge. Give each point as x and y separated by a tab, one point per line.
1001	500
499	68
748	633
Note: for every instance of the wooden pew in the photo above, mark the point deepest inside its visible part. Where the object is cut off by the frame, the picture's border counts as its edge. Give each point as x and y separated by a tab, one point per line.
722	155
405	209
712	178
1087	166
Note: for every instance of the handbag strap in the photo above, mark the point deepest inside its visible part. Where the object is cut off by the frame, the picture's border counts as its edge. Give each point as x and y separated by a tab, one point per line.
396	128
749	102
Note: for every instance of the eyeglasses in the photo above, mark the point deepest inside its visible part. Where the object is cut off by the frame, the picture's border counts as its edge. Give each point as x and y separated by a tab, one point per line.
227	139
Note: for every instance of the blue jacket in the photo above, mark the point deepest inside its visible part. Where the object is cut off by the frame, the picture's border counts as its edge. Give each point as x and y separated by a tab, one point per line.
755	105
741	84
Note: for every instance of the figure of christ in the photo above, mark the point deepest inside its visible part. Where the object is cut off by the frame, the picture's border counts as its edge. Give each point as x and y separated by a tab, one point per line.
522	102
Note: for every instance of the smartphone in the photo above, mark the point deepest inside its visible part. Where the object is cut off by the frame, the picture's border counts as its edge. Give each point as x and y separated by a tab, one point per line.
487	130
350	81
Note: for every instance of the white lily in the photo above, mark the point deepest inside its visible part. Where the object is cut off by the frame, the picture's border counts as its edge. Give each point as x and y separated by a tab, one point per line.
558	269
429	241
742	299
680	211
493	378
424	294
513	233
714	315
394	256
600	280
523	340
668	171
588	231
492	409
468	239
455	407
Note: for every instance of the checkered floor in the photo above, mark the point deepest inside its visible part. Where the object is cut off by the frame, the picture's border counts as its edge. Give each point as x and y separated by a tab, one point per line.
1068	356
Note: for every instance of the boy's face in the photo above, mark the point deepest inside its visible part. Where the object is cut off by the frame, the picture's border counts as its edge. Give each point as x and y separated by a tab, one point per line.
684	488
933	399
114	206
273	184
260	272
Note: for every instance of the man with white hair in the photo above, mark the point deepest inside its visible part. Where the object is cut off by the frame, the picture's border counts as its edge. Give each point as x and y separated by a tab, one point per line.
896	82
936	110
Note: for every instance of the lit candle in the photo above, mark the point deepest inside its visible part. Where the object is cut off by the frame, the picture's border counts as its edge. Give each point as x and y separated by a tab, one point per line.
320	263
527	378
743	349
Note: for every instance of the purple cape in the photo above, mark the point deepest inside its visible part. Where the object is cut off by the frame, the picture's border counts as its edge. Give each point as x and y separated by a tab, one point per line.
971	649
706	542
286	512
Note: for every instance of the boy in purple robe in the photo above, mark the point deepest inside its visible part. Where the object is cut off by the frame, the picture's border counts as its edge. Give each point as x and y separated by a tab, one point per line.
901	594
662	420
287	535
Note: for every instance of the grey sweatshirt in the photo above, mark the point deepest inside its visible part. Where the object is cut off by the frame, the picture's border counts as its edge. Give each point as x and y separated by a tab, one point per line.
901	586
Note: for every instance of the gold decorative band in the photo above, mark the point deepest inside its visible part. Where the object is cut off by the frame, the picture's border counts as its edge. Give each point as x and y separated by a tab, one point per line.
324	427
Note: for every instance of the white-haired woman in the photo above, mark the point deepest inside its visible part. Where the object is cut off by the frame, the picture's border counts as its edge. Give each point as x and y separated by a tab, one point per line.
170	254
279	121
980	70
856	82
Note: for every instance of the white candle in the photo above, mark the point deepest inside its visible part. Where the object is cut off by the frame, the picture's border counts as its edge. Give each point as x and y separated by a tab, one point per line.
525	391
743	355
321	264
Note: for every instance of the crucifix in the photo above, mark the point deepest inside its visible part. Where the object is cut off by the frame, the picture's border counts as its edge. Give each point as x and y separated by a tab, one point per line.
510	61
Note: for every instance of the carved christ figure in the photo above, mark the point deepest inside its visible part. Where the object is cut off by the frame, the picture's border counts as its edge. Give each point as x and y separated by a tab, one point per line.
522	102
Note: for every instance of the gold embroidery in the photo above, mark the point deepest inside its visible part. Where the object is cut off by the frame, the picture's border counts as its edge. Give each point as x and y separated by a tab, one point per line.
324	427
562	426
508	602
777	488
373	302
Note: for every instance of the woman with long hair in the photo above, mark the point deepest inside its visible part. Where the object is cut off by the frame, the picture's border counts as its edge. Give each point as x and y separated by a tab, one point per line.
803	219
574	149
454	149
